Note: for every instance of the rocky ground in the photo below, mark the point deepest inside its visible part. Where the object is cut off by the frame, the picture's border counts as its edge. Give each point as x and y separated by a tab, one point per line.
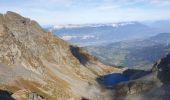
153	86
35	65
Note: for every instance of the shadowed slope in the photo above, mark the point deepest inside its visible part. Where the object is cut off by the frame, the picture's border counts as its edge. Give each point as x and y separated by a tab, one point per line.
4	95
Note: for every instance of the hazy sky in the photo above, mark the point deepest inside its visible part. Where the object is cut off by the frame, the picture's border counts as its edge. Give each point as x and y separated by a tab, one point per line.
88	11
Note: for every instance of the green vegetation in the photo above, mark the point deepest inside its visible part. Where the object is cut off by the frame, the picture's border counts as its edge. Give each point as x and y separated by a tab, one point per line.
133	54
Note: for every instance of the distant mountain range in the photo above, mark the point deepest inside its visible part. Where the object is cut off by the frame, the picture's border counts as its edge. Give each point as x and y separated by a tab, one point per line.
134	53
162	25
101	34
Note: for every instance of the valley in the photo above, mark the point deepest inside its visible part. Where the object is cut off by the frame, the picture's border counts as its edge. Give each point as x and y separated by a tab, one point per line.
37	65
84	50
138	53
129	44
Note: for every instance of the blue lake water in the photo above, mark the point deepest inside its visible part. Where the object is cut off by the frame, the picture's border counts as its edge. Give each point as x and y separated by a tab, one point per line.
113	79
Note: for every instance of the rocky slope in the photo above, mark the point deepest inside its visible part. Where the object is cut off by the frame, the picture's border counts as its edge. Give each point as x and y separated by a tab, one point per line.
154	86
35	65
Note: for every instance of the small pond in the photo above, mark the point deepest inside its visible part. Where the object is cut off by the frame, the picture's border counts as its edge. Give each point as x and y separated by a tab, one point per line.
112	79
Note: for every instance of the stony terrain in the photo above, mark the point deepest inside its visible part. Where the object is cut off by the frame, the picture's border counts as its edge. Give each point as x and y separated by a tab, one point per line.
153	86
35	65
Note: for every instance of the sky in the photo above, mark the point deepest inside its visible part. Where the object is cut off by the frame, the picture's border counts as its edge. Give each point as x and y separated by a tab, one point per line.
50	12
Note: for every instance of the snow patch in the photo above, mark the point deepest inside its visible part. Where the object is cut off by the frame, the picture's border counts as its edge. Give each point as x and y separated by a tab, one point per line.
57	27
70	37
88	37
67	37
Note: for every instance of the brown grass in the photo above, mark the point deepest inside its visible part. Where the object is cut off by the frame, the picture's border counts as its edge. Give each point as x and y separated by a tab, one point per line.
34	87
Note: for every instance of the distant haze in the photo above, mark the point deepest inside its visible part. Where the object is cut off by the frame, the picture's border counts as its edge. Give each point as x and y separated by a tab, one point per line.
101	34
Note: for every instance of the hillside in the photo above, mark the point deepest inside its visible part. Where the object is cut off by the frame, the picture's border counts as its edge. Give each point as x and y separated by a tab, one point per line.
141	53
35	64
153	86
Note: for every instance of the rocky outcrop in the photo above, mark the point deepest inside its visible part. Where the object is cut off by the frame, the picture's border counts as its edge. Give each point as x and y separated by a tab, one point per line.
27	95
153	86
162	67
136	74
133	87
36	61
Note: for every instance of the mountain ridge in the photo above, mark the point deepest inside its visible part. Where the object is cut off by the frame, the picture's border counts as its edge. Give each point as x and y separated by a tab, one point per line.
37	63
91	25
97	34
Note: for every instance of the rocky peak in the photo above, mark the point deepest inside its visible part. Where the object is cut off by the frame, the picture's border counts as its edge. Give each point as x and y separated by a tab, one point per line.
34	60
21	26
13	16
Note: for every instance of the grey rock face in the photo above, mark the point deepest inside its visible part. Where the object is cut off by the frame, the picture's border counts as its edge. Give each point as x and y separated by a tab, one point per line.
35	96
134	87
163	69
154	86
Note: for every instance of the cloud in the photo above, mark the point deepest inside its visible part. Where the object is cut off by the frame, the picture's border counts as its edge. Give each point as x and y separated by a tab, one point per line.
54	1
88	11
122	3
160	2
108	7
83	37
68	37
